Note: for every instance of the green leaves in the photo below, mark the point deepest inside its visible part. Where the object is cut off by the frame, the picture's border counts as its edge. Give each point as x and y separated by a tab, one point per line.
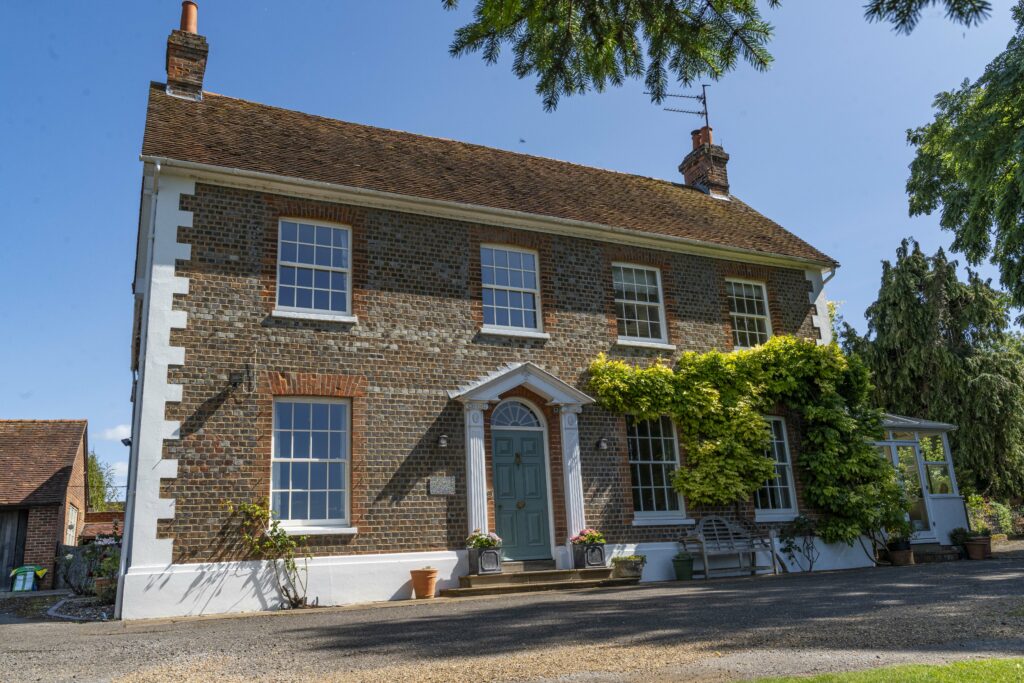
904	14
718	402
970	164
573	46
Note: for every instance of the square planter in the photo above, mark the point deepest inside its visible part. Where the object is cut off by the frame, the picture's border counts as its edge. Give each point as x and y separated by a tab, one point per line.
485	561
628	569
588	555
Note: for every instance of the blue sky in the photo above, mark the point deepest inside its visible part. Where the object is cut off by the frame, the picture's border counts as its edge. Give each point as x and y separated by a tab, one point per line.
817	143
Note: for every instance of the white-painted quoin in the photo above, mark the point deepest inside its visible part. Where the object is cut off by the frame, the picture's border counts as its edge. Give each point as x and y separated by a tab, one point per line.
159	248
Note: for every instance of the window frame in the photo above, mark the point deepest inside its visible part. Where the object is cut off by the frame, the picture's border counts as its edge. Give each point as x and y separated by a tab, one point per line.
657	517
313	313
767	317
309	526
779	514
662	318
71	525
511	330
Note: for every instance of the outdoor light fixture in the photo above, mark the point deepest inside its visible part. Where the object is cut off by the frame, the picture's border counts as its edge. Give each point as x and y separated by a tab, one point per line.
602	444
442	441
126	442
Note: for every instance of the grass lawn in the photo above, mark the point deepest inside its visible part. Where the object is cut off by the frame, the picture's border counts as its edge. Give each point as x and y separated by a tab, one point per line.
977	671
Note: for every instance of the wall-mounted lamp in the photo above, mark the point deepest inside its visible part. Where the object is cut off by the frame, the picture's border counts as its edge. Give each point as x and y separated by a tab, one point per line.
442	441
126	442
602	444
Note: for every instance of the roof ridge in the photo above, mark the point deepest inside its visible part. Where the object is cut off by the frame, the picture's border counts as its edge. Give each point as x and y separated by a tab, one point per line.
454	141
44	420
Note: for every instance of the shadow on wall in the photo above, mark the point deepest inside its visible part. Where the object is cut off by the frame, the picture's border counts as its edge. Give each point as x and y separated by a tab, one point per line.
426	459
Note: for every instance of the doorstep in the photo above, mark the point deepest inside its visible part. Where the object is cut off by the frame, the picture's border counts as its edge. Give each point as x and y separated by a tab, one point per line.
537	580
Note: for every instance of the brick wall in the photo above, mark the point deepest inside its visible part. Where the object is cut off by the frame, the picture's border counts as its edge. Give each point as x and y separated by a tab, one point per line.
416	294
41	537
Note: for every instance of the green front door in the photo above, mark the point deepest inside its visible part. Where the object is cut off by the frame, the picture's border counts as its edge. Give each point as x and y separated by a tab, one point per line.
521	494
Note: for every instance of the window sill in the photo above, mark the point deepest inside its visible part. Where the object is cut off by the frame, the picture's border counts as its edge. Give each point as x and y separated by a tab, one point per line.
320	530
663	521
511	332
311	315
775	516
640	344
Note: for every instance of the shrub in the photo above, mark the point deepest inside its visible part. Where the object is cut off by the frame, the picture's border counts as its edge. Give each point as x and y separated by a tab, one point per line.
478	539
587	537
718	402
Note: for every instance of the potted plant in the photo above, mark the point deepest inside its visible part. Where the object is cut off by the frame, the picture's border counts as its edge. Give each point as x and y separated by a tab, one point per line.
424	582
628	566
588	549
682	563
979	544
484	553
958	538
898	544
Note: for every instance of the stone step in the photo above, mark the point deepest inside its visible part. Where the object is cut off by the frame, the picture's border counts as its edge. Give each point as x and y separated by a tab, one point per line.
543	576
535	587
936	555
526	565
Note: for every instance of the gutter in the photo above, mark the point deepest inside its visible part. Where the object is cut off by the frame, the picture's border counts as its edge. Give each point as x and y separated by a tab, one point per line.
483	214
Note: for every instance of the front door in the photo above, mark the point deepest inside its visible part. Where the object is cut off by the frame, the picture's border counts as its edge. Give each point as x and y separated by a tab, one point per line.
521	494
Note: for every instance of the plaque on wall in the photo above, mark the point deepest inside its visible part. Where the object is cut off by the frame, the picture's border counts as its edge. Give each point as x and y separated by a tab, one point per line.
442	486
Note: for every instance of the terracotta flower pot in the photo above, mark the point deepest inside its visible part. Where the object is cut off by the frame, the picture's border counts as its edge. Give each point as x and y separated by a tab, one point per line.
901	558
424	583
978	548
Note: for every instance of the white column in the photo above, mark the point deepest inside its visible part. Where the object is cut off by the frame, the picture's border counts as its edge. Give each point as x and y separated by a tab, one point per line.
476	467
575	517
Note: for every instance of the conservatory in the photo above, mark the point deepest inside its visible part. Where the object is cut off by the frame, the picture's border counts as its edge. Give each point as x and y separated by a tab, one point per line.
919	450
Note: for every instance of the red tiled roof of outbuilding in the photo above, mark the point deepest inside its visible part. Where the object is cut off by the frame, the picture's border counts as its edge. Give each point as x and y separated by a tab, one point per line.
36	458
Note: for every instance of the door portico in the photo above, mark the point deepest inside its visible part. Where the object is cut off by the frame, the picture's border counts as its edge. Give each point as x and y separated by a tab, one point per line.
565	401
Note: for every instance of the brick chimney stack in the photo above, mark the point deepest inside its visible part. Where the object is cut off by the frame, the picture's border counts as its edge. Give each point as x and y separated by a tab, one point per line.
704	167
186	56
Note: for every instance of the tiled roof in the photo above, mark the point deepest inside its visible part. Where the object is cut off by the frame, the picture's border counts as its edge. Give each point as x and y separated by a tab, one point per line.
102	524
36	457
232	133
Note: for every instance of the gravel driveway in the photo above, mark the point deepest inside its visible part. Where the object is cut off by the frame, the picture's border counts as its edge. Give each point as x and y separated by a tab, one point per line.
721	630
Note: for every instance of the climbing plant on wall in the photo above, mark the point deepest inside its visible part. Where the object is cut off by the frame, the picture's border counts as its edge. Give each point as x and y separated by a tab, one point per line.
718	402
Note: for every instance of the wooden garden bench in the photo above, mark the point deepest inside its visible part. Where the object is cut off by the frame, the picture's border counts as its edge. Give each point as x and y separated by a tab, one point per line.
715	536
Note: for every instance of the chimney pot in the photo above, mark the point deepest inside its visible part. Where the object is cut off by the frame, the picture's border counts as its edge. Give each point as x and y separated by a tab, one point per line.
701	137
189	17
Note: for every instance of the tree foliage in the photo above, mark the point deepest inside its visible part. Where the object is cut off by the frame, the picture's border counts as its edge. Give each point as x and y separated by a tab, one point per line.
573	46
970	164
718	402
904	14
103	494
939	349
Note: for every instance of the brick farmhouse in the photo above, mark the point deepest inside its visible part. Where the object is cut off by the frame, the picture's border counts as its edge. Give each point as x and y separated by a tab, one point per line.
385	336
42	492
